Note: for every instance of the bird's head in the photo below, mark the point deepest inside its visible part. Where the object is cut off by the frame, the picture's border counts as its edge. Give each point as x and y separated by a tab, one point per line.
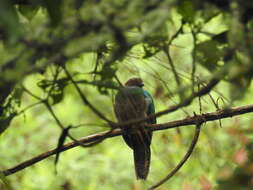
135	82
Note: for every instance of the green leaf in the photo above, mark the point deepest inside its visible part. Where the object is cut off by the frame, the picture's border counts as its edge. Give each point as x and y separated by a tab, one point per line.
28	11
9	20
150	50
6	184
56	96
107	72
54	10
5	122
62	82
187	11
44	84
239	87
17	95
57	93
78	4
222	37
208	54
55	88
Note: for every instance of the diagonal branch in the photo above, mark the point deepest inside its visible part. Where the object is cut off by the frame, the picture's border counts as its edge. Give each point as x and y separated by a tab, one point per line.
225	113
173	68
181	163
88	139
166	50
193	58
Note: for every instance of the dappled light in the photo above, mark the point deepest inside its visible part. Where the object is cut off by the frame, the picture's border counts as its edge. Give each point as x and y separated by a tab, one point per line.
128	94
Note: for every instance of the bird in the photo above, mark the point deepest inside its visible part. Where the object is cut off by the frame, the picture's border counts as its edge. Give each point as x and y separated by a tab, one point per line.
134	102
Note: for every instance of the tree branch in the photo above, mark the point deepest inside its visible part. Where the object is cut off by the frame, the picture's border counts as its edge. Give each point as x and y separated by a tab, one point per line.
87	139
212	116
173	68
166	50
225	113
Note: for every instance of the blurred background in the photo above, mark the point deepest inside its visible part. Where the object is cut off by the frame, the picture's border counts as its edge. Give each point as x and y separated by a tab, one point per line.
176	47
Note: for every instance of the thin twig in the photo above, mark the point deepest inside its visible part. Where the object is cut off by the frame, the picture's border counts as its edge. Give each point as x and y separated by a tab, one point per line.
216	104
56	74
166	50
173	68
28	107
31	94
183	74
96	64
118	81
51	111
85	100
200	104
175	35
193	59
181	163
203	91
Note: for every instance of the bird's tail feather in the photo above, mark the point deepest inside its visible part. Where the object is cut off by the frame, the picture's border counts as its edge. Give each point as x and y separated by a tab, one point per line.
141	161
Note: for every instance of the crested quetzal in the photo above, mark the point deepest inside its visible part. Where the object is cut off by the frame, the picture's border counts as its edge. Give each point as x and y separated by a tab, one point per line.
133	102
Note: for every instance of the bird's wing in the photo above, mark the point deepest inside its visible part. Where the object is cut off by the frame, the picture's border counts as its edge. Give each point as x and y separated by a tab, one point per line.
150	106
129	104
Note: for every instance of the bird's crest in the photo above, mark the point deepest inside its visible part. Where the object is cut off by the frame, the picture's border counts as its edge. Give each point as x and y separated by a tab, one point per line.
135	82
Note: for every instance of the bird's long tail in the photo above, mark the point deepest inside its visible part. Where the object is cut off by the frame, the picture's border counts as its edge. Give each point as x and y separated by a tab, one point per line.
141	161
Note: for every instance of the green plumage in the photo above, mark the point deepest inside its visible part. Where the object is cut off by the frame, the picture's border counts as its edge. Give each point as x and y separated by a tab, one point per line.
133	102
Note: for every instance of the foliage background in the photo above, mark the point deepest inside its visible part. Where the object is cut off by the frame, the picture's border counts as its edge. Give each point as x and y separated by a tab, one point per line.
110	40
